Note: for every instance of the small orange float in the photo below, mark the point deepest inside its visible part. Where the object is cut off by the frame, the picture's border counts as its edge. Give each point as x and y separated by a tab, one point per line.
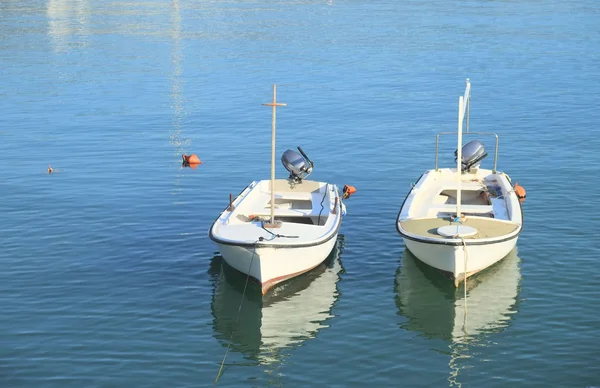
348	191
191	160
50	169
520	191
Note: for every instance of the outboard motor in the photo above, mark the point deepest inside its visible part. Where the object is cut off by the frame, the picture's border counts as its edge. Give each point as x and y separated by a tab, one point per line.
472	154
299	165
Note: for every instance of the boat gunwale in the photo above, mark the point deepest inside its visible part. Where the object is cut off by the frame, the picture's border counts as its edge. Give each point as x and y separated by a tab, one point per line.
263	244
459	241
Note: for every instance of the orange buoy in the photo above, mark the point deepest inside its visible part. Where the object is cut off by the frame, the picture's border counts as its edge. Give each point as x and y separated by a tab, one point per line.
50	169
191	160
520	191
348	191
194	159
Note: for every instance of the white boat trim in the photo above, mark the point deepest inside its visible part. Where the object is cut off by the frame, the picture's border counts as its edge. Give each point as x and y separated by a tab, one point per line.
456	241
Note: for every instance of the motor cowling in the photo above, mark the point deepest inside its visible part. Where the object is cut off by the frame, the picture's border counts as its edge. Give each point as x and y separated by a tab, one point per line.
297	164
472	154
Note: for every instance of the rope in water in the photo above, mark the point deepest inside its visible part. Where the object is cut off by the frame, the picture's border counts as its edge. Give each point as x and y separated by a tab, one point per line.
465	283
455	355
236	318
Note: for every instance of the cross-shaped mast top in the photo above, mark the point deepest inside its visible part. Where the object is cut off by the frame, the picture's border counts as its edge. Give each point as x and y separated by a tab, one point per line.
274	104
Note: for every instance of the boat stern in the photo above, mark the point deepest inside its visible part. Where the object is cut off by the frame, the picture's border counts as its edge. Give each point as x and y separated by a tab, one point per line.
460	261
267	265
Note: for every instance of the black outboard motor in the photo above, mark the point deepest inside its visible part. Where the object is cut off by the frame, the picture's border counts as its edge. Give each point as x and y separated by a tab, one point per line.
299	166
472	154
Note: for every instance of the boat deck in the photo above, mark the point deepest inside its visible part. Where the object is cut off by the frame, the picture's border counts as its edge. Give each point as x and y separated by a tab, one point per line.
486	227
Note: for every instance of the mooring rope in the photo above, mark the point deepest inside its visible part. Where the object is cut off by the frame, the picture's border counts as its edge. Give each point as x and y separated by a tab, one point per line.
464	327
465	283
237	317
274	235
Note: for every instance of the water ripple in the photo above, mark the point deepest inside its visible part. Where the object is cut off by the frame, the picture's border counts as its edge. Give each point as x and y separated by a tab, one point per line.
107	276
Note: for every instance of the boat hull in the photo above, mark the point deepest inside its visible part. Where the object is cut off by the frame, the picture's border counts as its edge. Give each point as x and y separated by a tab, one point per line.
452	260
272	265
463	219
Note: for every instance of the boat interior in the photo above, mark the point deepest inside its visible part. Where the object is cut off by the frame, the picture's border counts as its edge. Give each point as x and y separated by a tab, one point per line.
301	203
482	199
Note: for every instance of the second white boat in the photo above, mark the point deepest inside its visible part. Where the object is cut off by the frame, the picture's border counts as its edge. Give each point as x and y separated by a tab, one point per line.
462	220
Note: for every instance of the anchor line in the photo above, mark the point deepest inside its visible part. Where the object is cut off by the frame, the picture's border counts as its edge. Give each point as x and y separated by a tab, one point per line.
452	379
465	283
236	318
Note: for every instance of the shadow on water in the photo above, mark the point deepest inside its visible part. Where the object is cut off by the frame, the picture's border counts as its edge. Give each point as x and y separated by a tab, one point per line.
270	326
434	308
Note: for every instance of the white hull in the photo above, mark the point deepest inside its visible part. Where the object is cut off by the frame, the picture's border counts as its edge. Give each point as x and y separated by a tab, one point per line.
270	266
309	216
452	259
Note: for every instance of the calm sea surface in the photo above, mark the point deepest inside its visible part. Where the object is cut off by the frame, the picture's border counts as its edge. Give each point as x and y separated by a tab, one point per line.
108	277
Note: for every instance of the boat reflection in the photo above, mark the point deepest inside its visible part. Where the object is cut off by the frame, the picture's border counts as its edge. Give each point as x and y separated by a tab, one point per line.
270	326
436	309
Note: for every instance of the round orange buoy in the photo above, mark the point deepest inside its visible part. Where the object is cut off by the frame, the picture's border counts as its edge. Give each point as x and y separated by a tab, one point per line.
194	159
520	191
191	160
349	190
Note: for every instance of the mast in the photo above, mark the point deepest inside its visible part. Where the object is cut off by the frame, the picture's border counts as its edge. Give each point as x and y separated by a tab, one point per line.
463	107
274	104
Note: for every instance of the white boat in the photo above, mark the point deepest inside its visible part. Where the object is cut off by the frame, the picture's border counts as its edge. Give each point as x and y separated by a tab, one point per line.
461	220
270	326
434	308
280	228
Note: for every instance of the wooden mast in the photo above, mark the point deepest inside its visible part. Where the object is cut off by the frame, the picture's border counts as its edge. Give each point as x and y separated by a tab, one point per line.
274	104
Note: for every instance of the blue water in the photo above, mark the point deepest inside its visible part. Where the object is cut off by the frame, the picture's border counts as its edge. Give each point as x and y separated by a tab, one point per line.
108	278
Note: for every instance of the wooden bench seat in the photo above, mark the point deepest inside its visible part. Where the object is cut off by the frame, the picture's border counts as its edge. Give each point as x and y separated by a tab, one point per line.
448	208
